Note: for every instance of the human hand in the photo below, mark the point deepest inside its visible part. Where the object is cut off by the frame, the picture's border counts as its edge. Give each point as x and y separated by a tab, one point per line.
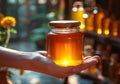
41	63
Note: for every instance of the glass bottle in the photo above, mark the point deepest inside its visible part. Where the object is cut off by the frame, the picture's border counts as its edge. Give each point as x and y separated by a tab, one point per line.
78	14
98	22
89	22
91	10
115	28
65	43
106	25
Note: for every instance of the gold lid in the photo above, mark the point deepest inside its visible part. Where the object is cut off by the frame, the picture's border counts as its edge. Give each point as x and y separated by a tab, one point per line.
64	23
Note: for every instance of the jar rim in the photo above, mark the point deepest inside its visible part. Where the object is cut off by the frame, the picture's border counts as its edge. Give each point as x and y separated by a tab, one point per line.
64	23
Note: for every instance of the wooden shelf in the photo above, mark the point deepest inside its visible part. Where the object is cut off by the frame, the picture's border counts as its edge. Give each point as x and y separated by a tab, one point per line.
114	41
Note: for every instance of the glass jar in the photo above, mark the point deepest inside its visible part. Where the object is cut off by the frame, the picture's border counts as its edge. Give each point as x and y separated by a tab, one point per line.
65	43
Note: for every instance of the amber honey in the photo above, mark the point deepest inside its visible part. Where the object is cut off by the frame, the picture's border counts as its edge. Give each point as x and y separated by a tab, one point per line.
65	49
77	14
92	69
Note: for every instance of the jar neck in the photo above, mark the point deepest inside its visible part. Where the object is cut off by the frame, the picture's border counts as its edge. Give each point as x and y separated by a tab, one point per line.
65	30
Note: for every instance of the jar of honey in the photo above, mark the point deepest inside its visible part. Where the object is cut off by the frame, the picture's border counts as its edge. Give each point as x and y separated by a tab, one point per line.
65	43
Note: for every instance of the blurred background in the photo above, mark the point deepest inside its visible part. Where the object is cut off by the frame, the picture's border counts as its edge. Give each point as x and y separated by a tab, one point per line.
100	22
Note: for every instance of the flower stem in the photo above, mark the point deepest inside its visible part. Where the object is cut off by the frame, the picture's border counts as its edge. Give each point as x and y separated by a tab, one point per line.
7	38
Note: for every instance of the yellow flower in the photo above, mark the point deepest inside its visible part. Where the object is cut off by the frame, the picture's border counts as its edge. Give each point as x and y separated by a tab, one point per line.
8	22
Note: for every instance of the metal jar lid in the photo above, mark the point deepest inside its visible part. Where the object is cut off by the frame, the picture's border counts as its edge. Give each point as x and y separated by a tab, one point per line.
64	23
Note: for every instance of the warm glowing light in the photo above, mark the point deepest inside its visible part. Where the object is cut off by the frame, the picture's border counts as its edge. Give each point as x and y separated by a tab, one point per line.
79	14
65	49
115	33
115	28
42	1
89	28
82	27
106	32
92	69
89	24
81	9
85	15
99	31
65	63
95	11
74	9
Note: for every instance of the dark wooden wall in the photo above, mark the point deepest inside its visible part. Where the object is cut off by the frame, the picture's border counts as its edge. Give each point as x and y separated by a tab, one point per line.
3	6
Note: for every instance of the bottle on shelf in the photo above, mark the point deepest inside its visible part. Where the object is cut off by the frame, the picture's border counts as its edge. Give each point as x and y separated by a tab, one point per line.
115	28
98	22
89	22
78	14
91	9
106	25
